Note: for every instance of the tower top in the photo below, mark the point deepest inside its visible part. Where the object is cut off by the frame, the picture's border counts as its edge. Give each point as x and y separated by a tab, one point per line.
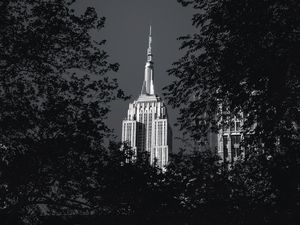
149	51
148	84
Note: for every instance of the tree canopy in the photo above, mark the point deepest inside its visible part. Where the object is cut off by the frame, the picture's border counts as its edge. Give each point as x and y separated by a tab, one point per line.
244	56
243	61
55	90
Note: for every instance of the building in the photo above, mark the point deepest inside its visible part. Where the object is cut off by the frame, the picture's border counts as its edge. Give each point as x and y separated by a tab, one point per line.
146	127
226	143
229	141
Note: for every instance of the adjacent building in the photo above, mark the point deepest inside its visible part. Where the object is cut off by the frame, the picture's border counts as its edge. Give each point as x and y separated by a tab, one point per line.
146	127
226	143
229	141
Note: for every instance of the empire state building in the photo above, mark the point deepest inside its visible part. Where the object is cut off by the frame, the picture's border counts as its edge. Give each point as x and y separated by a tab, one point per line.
146	127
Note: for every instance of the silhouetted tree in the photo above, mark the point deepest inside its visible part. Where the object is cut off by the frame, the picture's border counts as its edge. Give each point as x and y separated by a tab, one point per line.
55	91
244	57
259	189
197	186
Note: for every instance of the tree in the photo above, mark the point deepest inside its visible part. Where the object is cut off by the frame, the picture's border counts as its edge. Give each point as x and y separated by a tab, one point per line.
55	90
255	190
197	187
244	57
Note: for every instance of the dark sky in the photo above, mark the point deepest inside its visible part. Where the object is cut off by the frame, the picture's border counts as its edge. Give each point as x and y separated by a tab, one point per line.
126	31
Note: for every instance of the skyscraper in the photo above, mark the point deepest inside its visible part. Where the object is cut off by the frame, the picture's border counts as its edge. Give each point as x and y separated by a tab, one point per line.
146	127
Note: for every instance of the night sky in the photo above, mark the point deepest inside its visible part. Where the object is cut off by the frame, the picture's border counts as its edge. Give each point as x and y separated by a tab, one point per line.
126	31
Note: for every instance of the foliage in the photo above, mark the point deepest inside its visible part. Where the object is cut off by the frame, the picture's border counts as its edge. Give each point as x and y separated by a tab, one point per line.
55	90
257	190
197	189
243	57
243	61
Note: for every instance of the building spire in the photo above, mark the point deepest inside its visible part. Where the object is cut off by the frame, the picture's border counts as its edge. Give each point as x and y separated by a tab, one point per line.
149	51
148	84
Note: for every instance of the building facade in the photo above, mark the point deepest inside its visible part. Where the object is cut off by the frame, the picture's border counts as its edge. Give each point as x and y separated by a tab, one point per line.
146	127
229	141
226	143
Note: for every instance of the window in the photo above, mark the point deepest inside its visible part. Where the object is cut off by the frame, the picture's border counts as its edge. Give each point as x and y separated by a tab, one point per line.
235	145
237	125
225	149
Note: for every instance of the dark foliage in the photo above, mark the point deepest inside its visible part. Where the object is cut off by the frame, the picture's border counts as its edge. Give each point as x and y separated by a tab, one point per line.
196	189
243	60
55	92
244	57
